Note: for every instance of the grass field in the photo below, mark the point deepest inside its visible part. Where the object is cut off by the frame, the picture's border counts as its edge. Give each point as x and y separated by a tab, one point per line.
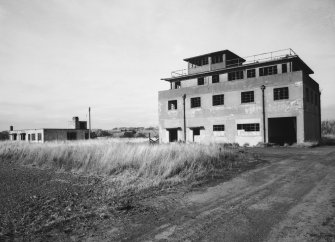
129	165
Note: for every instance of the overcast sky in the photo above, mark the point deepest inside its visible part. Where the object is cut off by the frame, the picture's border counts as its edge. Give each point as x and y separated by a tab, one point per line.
58	57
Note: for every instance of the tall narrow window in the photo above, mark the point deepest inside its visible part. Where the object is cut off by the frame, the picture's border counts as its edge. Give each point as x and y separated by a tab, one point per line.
39	136
172	104
195	102
201	81
218	100
215	78
33	137
247	97
177	85
280	93
284	68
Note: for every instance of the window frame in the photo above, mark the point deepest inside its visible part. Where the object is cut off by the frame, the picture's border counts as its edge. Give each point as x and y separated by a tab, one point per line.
39	136
268	70
177	85
218	127
217	78
235	75
281	93
174	102
201	81
218	100
249	127
251	73
195	102
284	70
243	98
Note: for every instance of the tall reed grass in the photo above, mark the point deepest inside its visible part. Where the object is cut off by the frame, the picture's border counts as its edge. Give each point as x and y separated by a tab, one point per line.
130	165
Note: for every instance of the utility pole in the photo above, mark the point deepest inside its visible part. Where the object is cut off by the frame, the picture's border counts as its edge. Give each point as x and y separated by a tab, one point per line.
264	130
89	122
184	97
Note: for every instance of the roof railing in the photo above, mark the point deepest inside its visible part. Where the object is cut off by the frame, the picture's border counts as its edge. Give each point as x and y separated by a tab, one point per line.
259	58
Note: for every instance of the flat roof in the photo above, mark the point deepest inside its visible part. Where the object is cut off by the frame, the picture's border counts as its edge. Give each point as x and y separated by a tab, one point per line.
45	129
228	52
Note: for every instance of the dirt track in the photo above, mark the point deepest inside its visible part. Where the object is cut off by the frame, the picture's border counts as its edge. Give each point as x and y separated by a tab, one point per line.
292	198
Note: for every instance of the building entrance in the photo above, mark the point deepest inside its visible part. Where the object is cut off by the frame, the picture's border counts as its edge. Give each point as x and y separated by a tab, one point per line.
173	135
282	130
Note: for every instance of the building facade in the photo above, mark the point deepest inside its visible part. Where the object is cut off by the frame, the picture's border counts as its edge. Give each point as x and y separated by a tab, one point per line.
224	98
78	131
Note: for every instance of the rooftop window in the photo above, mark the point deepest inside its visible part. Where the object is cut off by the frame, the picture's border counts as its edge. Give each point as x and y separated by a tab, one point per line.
266	71
217	59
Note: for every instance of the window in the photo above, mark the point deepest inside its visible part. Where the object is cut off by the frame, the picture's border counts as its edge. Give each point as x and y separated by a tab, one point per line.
215	79
248	127
235	75
307	94
218	100
33	137
177	85
14	136
201	81
280	93
172	104
195	102
219	127
39	136
270	70
247	97
284	68
196	131
217	59
251	73
201	61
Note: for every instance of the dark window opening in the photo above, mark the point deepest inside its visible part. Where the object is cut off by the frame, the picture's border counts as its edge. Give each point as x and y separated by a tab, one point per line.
33	137
215	79
28	136
196	131
251	73
247	97
39	136
284	68
195	102
200	62
217	59
71	135
86	135
201	81
14	136
173	135
172	104
266	71
218	100
219	127
248	127
280	93
177	85
235	75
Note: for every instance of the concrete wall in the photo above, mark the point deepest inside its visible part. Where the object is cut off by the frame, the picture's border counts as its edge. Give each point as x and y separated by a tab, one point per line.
28	133
312	117
233	112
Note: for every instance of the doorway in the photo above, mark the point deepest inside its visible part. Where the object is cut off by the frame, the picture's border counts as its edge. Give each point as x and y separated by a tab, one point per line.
282	130
173	135
196	134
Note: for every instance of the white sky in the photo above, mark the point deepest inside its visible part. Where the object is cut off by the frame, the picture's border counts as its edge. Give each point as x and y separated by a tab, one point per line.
58	57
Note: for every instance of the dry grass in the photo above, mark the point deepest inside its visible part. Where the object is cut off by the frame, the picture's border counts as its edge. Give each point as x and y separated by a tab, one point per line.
129	165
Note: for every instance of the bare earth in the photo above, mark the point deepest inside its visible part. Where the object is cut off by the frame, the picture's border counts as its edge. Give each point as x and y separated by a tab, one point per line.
290	198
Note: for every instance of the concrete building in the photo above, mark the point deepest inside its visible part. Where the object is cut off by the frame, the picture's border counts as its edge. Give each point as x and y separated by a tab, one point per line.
222	97
78	131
